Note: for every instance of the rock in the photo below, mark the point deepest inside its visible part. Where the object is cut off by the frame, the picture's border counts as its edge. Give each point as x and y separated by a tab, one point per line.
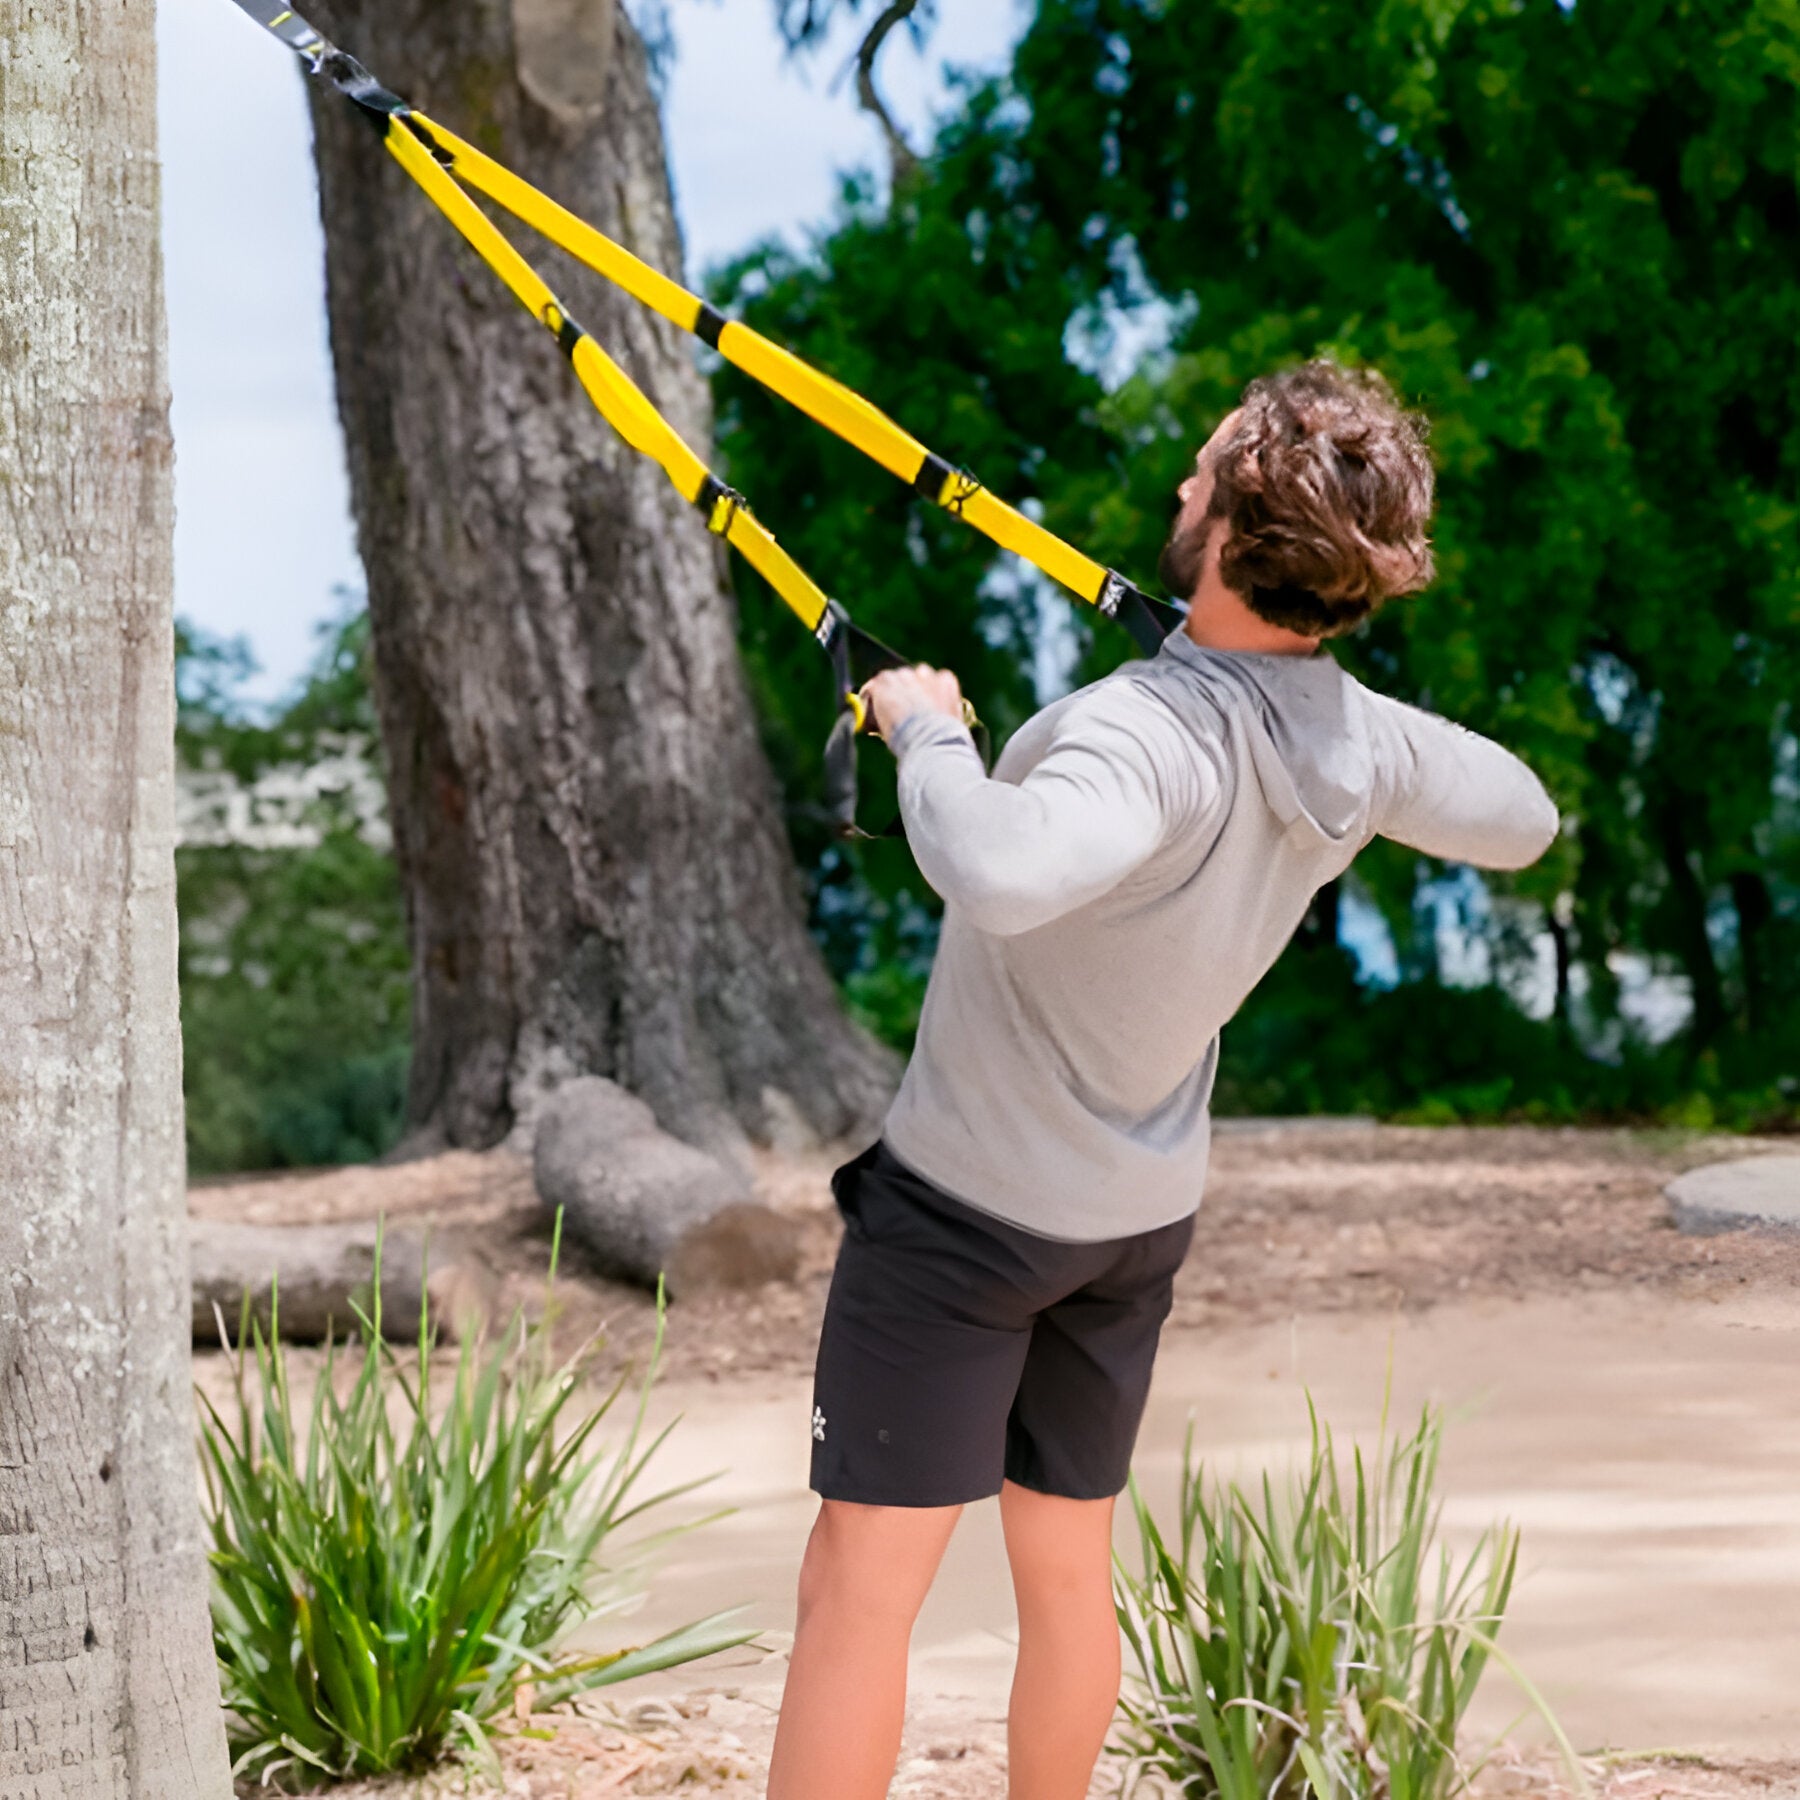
1725	1196
316	1271
645	1204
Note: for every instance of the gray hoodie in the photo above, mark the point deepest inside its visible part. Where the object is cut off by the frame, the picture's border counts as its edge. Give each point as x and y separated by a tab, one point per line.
1130	871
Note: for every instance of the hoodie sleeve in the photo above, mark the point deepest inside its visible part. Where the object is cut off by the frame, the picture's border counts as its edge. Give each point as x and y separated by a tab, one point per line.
1454	794
1014	856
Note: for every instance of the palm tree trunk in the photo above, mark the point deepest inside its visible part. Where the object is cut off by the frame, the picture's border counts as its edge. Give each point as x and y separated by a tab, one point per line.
108	1685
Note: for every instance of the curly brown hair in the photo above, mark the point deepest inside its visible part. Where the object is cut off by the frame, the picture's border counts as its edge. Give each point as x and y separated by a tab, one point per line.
1325	484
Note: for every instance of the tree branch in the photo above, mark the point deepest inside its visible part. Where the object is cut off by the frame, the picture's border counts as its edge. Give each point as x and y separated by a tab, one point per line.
801	22
902	160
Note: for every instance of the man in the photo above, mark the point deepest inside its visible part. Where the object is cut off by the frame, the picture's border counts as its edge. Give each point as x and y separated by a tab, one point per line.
1134	865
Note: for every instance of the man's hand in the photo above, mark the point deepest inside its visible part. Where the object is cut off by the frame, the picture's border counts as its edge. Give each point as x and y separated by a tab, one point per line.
896	695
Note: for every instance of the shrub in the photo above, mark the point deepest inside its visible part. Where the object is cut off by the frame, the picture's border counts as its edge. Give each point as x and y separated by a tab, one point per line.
385	1582
294	1004
878	939
1311	1641
1310	1039
295	988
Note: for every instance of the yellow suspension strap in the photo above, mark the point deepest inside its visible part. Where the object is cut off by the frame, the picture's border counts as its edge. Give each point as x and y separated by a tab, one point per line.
827	402
855	655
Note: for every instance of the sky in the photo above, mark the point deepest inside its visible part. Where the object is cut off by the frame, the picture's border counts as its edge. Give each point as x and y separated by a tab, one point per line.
263	541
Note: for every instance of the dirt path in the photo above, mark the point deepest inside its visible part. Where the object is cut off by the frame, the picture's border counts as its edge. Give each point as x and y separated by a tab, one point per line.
1300	1217
1630	1397
1647	1450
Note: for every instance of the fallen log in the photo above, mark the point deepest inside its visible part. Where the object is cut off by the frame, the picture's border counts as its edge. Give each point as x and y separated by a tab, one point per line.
315	1276
643	1204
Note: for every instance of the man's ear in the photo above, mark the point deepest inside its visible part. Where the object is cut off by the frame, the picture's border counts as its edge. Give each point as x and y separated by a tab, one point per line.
1217	531
563	50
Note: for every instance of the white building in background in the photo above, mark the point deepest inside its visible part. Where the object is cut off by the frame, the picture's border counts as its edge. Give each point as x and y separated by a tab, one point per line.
286	808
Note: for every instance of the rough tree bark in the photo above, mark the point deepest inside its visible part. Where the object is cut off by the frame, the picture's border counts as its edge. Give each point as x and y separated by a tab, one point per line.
108	1686
598	878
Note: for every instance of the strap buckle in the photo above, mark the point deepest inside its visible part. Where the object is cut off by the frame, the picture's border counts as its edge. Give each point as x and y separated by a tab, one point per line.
935	475
720	505
1149	621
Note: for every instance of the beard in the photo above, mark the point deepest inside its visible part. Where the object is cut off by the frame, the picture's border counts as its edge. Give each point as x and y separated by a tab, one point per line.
1183	558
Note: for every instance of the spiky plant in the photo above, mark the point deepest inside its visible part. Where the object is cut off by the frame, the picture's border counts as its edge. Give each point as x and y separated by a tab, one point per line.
389	1572
1316	1639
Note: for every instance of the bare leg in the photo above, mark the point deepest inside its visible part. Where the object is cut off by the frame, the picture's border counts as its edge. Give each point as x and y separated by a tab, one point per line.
1067	1680
863	1579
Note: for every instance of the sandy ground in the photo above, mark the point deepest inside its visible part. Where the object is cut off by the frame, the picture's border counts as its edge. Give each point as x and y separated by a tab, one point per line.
1301	1217
1628	1396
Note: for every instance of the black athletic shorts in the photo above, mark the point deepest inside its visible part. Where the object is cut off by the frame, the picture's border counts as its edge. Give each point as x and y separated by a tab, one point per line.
959	1349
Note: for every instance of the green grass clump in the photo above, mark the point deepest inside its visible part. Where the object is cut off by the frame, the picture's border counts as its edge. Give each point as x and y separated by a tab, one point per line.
389	1575
1311	1641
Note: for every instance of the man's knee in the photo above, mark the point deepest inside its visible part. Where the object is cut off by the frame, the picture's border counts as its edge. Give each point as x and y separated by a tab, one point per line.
1060	1549
872	1563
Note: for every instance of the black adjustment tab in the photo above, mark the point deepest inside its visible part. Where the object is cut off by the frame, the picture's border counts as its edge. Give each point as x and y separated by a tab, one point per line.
830	630
564	329
712	491
1149	621
869	655
933	473
709	324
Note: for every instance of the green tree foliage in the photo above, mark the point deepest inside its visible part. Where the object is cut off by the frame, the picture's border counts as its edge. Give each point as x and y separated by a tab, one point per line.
956	328
294	988
1565	227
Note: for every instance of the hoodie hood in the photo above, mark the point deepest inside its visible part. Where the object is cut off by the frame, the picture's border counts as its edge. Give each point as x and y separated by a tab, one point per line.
1307	741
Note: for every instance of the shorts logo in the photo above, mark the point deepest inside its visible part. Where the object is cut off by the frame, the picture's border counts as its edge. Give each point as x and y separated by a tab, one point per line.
818	1424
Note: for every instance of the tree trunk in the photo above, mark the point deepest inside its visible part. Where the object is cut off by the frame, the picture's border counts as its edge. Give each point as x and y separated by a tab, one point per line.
598	878
1322	927
1560	918
1755	908
108	1687
1687	905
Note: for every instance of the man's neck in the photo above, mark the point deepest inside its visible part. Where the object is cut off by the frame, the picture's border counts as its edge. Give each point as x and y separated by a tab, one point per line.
1218	619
